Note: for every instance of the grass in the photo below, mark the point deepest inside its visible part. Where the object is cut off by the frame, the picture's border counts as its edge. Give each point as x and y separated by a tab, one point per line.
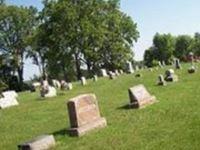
171	124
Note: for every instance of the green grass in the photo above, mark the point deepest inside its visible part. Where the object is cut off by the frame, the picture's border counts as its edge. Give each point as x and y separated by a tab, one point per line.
171	124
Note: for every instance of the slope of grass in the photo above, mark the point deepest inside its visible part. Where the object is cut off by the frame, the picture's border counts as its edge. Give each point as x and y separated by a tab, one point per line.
171	124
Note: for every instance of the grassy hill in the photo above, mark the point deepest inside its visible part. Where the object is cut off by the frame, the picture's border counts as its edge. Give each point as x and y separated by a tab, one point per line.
171	124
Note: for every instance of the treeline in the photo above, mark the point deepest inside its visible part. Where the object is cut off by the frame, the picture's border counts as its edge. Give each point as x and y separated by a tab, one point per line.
167	47
66	39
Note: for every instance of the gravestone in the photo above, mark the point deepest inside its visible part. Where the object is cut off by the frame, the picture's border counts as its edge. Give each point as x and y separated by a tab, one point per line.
130	67
43	142
56	84
117	73
10	94
47	90
160	64
104	73
170	76
177	64
112	75
161	80
121	71
84	115
32	88
7	102
95	78
136	68
83	81
63	85
36	84
69	86
140	97
163	63
192	69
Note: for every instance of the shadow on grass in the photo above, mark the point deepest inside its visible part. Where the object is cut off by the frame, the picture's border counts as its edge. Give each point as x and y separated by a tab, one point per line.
63	132
128	107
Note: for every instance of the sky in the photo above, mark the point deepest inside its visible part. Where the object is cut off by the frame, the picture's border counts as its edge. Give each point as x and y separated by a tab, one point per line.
152	16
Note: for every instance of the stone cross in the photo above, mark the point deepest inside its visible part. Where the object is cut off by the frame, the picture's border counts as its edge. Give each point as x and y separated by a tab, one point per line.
84	114
140	97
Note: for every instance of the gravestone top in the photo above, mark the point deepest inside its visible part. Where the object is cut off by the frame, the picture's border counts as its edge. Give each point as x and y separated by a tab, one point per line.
10	94
43	142
84	114
139	96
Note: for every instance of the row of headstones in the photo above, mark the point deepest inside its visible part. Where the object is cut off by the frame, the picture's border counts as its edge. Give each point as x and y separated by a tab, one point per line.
9	98
84	116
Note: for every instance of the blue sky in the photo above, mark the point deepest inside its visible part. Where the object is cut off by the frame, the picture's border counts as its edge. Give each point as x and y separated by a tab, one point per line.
163	16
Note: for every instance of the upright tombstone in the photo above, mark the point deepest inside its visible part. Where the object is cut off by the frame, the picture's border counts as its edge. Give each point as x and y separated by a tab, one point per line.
43	142
47	90
130	67
84	115
56	84
177	64
170	76
192	69
160	64
95	78
163	63
161	80
140	97
136	68
112	75
69	86
121	71
117	73
83	81
63	85
104	73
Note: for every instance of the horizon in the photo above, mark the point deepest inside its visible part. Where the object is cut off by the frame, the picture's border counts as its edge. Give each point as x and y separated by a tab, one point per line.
175	17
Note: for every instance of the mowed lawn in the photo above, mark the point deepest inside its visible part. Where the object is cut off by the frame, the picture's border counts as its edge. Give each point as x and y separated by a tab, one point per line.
171	124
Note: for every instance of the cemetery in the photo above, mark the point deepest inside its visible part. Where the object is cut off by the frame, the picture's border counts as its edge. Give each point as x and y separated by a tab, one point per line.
99	75
151	126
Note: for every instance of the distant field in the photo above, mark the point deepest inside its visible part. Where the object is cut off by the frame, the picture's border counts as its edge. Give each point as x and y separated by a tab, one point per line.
171	124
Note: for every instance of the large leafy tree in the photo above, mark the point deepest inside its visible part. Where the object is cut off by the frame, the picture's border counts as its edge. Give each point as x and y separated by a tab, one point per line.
164	46
16	24
182	46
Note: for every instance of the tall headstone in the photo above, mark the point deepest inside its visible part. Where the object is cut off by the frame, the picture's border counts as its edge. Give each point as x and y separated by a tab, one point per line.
95	78
130	67
140	97
161	80
43	142
104	73
47	90
170	76
177	64
83	81
84	114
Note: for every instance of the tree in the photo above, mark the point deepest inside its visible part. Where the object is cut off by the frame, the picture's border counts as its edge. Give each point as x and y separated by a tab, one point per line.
16	24
182	46
164	46
195	45
149	57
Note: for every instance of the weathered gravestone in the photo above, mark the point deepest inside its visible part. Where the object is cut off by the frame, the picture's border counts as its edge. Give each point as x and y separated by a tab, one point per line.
46	90
95	78
63	85
160	64
84	114
161	80
43	142
8	99
140	97
177	64
104	73
69	86
192	69
56	84
117	73
83	81
112	75
121	71
170	76
130	67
